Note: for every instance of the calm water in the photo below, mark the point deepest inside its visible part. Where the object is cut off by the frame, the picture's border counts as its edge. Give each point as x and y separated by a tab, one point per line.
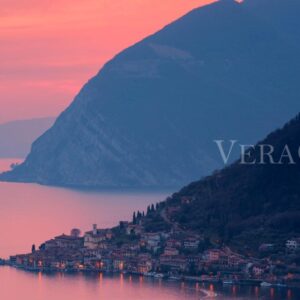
31	214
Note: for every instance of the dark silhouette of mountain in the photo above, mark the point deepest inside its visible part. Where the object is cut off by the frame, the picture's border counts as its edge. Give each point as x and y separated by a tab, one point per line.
149	117
16	137
248	204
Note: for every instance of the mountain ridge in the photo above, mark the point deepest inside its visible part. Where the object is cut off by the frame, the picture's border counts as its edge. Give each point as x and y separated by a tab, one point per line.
149	117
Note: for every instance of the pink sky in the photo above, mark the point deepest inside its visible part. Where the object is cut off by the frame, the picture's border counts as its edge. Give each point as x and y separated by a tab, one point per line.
49	49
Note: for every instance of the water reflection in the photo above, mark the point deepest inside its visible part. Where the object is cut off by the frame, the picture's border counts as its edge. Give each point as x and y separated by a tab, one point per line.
37	286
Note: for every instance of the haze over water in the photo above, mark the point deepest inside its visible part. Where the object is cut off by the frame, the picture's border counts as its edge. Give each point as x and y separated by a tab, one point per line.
31	214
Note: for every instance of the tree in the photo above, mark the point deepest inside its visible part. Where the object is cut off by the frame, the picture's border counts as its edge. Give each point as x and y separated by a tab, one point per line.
33	248
192	269
139	215
42	247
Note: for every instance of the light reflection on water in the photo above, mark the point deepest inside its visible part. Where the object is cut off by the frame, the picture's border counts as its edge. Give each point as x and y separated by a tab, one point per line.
60	286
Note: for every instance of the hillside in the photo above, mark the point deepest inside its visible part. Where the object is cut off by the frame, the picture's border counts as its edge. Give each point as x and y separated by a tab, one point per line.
247	204
149	117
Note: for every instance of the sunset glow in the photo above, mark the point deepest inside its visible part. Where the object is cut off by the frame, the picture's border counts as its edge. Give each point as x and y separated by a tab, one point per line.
49	50
149	149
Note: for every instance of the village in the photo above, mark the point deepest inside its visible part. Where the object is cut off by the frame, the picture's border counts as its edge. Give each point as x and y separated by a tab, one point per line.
165	251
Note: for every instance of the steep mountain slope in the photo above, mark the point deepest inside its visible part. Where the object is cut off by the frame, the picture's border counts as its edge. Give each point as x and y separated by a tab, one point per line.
150	116
249	204
16	137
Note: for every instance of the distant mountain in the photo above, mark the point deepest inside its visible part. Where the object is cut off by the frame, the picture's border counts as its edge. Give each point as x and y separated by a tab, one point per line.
149	117
248	204
16	137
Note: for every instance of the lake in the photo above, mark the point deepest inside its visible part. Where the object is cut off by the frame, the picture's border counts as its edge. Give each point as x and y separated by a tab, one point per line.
31	214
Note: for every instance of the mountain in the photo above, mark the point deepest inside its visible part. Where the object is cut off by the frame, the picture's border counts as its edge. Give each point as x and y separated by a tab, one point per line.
228	70
248	204
16	137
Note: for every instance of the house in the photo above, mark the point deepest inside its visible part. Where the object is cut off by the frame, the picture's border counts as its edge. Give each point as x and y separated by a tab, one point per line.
134	229
56	265
50	244
152	236
18	259
108	234
293	244
235	261
171	251
173	243
223	260
194	259
118	263
132	265
151	241
92	253
257	270
64	241
106	264
191	243
144	264
165	235
212	255
93	238
173	263
92	262
123	224
128	250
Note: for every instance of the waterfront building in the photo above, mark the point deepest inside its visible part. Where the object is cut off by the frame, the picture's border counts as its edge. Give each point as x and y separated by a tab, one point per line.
171	251
93	238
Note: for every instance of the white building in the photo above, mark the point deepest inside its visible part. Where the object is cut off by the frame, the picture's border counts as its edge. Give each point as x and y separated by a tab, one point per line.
191	244
293	244
171	251
93	238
